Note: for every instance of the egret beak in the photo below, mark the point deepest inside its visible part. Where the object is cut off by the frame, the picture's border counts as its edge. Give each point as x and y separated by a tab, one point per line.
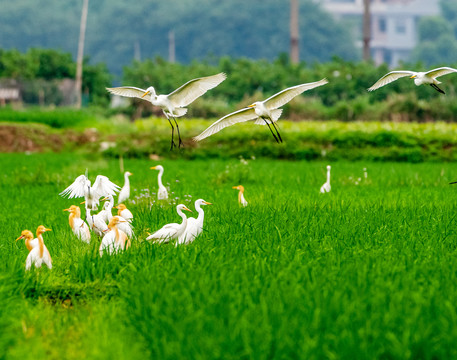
454	182
83	202
147	92
413	76
47	229
185	208
153	167
105	198
106	230
251	106
207	203
235	187
20	237
66	209
115	207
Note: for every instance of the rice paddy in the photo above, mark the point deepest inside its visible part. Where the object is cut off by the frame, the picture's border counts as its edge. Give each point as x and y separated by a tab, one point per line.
366	271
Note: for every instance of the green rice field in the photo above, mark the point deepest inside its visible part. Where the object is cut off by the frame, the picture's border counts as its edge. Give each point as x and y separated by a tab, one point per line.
367	271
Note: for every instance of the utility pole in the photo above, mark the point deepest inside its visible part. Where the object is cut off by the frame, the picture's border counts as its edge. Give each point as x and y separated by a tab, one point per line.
294	35
366	30
80	58
171	46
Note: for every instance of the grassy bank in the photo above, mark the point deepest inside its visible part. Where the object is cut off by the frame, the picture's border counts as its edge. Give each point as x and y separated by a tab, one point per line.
305	140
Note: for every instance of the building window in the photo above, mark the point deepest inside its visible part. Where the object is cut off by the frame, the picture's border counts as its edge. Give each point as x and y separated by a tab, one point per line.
400	26
382	25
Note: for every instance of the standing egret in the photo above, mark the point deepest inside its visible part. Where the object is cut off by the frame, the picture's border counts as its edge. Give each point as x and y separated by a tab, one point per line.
162	194
173	104
171	231
124	212
115	239
326	187
38	252
78	225
96	222
194	225
123	224
106	213
241	200
420	78
263	112
81	187
124	194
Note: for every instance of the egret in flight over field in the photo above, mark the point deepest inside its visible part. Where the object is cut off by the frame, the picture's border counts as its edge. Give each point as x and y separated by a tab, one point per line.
171	231
38	252
420	78
326	187
241	200
124	194
194	225
263	112
162	194
82	187
173	104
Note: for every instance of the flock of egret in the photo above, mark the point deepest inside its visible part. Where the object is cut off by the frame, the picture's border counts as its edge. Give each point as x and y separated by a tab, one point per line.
265	112
116	231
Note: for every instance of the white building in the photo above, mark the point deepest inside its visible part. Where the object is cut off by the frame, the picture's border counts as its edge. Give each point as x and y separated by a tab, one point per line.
394	24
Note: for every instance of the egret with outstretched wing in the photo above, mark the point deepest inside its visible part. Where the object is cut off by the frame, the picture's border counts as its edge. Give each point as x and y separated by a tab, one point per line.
173	104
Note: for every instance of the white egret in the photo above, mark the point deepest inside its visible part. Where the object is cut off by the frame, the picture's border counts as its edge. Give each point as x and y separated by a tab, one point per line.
106	213
38	252
78	225
124	194
241	200
123	224
115	239
171	231
326	187
162	193
173	104
420	78
194	225
81	187
263	112
124	212
96	222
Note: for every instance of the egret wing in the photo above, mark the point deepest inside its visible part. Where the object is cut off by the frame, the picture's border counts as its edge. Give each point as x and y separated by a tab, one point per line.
77	188
284	96
166	232
440	72
389	77
242	115
195	88
128	91
104	187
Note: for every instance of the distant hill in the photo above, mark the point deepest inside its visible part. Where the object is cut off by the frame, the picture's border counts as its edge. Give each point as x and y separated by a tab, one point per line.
119	30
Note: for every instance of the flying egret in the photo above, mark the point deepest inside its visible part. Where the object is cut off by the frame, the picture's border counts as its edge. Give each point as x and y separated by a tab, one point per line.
194	225
241	200
123	224
78	225
263	112
124	212
115	239
124	194
326	187
173	104
38	252
162	194
420	78
171	231
81	187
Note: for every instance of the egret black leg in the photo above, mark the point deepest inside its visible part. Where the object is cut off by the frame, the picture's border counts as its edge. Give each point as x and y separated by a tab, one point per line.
266	122
277	131
172	133
437	88
179	135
